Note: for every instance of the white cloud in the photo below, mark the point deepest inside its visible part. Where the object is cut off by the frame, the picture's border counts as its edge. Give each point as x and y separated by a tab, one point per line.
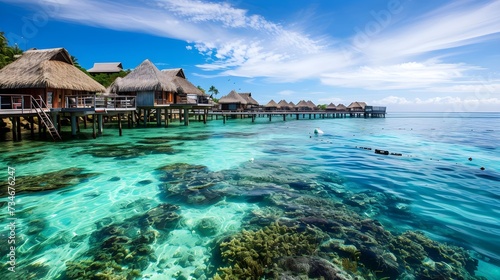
458	24
438	103
409	75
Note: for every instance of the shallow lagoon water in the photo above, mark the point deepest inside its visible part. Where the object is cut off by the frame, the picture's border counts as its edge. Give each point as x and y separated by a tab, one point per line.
442	193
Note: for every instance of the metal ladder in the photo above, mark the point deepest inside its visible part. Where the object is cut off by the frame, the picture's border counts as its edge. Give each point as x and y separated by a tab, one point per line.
39	108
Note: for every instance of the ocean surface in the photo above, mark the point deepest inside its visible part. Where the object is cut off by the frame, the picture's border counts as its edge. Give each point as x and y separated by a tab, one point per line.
159	202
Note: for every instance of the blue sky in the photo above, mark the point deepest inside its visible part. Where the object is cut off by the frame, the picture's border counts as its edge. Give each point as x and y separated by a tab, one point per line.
408	55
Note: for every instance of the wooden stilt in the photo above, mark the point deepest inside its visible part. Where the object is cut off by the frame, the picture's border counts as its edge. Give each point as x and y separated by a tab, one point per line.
94	135
19	126
100	126
39	127
32	127
73	125
85	121
186	117
120	124
14	129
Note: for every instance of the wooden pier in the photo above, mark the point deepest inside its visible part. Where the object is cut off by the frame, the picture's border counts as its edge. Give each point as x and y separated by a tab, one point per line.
369	112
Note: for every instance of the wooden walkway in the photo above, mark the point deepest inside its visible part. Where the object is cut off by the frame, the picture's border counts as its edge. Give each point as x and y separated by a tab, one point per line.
316	114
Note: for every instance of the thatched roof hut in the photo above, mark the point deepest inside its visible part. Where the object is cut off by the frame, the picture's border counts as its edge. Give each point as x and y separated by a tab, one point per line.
292	106
232	101
185	86
302	105
341	107
248	97
46	69
357	106
331	107
232	97
145	77
283	105
312	105
106	67
271	104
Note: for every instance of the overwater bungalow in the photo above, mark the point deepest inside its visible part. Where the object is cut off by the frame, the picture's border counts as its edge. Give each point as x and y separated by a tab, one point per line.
331	107
106	68
186	92
252	104
292	106
271	106
233	102
48	74
341	107
283	105
312	105
148	84
356	106
303	106
45	83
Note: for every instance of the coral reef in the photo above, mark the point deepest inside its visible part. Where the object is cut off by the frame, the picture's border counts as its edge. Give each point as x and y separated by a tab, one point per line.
49	181
123	250
251	254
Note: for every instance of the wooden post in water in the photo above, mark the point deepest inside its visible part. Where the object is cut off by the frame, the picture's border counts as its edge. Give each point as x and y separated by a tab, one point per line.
73	124
270	116
39	127
224	119
158	117
59	123
32	127
14	129
93	126
146	116
120	124
129	116
186	117
167	117
78	124
99	124
284	117
85	121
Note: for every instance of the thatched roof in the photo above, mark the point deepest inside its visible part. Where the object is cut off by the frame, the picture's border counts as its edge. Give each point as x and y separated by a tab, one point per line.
145	77
356	104
185	86
248	97
106	67
175	72
302	104
311	104
232	97
341	107
114	84
291	104
271	104
48	68
331	106
283	104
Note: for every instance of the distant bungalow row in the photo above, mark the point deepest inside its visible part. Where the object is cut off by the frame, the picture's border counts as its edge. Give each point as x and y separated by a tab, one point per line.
45	84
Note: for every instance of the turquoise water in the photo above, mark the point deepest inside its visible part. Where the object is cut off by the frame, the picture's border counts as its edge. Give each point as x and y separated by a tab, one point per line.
243	175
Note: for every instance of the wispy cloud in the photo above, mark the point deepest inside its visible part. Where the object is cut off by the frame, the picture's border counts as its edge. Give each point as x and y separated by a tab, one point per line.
410	75
441	103
454	25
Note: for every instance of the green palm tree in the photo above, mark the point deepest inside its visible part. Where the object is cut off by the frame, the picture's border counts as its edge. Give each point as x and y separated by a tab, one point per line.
213	90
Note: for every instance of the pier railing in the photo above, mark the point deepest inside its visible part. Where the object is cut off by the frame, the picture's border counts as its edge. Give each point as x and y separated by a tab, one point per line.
106	102
18	102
